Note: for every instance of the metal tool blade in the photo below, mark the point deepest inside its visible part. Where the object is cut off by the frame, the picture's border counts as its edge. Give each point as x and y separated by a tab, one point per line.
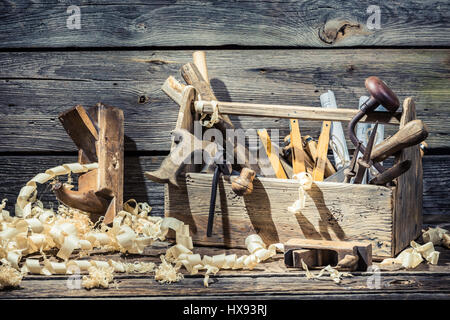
341	174
364	163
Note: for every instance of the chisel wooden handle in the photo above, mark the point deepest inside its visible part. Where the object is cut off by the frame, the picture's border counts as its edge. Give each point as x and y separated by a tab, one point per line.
322	150
411	134
298	157
391	173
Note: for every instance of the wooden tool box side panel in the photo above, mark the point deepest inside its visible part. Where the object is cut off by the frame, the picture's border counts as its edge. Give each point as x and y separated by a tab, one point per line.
333	211
409	192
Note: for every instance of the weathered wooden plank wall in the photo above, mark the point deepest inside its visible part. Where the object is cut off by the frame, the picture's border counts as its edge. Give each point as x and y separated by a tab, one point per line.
28	24
287	52
36	86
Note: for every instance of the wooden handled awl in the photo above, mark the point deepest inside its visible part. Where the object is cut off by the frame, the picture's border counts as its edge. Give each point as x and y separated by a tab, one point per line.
364	162
99	135
411	134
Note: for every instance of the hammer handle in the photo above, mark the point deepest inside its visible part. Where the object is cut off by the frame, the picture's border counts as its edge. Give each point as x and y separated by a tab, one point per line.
411	134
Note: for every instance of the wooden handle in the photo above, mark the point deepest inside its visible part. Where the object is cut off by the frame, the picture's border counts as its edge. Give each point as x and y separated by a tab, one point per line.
192	75
391	173
298	158
411	134
273	157
82	130
199	58
174	89
311	149
294	112
322	150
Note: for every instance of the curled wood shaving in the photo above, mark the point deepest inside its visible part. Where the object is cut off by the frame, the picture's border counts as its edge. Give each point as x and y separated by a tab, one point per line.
167	273
179	254
437	236
305	179
335	275
411	257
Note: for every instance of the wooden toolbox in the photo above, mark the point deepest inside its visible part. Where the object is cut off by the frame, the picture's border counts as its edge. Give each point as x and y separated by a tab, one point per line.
387	217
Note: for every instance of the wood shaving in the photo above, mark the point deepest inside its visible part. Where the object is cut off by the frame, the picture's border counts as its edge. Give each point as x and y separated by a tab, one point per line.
437	236
36	229
334	274
446	240
179	254
167	273
99	277
9	277
305	180
411	257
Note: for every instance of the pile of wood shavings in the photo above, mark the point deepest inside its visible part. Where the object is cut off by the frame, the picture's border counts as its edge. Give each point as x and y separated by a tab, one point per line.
36	230
9	277
99	277
411	257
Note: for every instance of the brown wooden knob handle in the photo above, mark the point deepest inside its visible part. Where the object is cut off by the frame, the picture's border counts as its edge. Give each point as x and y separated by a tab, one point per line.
411	134
243	184
382	94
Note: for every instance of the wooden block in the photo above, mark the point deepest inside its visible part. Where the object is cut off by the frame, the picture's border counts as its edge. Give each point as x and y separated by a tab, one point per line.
110	157
409	192
81	129
295	257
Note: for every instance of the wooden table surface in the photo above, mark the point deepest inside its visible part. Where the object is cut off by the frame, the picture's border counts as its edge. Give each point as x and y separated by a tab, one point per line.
285	52
269	280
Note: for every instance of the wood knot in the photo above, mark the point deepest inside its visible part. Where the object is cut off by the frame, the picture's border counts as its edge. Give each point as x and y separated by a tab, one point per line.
143	99
335	30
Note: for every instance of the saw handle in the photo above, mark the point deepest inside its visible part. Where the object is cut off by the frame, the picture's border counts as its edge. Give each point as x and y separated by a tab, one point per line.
411	134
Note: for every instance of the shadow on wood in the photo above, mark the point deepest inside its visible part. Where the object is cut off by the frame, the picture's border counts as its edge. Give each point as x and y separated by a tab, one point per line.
134	184
327	220
257	205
